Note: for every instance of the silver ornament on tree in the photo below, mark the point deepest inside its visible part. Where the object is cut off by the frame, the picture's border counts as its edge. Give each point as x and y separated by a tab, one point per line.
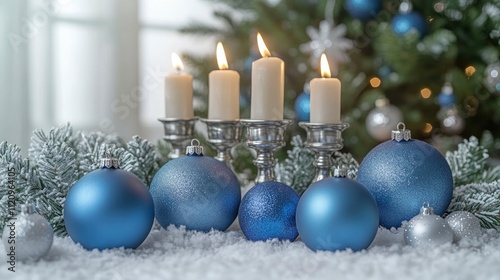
464	225
492	77
451	121
27	236
427	229
382	119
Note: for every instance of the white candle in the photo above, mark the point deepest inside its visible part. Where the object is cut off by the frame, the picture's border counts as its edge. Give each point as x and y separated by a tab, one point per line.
325	96
223	90
268	78
178	92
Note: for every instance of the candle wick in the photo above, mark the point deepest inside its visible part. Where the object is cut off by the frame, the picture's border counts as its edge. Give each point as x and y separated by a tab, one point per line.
178	69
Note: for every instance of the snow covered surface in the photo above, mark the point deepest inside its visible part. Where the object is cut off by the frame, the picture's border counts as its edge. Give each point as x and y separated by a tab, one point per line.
180	254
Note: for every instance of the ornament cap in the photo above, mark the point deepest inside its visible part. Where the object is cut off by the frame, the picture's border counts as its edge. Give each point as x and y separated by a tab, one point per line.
426	209
340	172
194	149
108	161
28	208
401	133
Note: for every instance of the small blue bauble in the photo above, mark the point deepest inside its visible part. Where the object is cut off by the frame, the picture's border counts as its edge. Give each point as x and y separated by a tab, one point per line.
303	107
336	214
267	211
403	23
363	9
404	175
108	208
196	191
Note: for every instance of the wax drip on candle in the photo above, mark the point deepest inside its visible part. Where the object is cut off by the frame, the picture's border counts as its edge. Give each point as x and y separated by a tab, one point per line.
325	68
262	46
221	57
177	63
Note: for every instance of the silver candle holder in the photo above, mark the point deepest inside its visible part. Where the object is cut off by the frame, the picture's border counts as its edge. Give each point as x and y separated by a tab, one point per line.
223	136
177	132
265	136
324	139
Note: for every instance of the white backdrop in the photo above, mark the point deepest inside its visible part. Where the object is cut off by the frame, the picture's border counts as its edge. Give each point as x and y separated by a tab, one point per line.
98	64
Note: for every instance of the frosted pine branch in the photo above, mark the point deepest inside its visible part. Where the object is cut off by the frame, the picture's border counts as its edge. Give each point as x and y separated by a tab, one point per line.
481	199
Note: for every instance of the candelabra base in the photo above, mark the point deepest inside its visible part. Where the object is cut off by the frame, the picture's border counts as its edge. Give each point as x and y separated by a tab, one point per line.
223	136
265	136
324	139
177	132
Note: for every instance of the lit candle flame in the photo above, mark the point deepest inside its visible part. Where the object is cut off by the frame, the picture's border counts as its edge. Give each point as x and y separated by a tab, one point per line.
325	68
177	62
221	57
262	46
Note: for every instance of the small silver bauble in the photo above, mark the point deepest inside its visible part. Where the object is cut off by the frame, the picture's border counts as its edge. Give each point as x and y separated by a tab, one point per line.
382	119
492	79
464	225
27	236
427	230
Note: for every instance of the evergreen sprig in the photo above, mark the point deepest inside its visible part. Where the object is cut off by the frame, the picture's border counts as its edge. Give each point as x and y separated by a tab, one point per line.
297	169
57	160
481	199
469	164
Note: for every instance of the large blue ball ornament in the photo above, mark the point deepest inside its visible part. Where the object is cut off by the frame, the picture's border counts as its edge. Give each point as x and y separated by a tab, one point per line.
267	211
337	213
405	22
108	208
303	107
363	9
196	191
403	174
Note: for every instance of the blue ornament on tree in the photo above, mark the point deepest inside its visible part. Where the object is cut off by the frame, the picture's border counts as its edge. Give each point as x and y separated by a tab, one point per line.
402	174
337	213
267	211
196	191
363	9
108	208
408	20
303	107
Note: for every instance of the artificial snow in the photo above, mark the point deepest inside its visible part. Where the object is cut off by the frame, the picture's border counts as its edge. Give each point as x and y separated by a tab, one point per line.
179	254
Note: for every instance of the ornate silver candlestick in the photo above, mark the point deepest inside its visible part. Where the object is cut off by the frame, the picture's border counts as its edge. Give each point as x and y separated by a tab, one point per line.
177	132
265	137
223	135
324	139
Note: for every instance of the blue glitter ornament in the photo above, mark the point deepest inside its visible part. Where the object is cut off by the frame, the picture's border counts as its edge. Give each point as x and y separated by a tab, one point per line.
337	213
408	20
402	174
363	9
267	211
303	107
196	191
108	208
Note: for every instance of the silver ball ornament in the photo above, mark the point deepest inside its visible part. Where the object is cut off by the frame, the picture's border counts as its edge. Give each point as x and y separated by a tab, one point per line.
27	236
464	225
427	230
382	119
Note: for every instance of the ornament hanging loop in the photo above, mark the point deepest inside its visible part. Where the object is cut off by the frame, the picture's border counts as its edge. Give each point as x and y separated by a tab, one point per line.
194	149
401	133
426	209
28	208
108	160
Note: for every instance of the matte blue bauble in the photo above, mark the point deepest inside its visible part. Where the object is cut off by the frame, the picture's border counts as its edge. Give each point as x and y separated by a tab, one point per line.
198	192
303	107
336	214
363	9
267	211
403	23
402	176
108	208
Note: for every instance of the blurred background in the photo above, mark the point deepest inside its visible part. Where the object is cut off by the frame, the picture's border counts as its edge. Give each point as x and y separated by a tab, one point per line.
99	65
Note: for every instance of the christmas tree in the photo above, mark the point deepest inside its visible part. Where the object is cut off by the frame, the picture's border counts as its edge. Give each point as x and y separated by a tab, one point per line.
381	50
